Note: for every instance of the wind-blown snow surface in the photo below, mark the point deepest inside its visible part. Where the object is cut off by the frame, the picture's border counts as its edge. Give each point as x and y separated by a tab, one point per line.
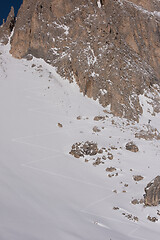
47	193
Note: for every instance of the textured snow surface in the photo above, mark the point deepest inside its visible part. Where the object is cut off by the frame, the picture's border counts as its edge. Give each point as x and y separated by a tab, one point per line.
47	193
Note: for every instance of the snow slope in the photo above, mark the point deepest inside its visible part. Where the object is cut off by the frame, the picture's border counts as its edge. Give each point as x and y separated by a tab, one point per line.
47	193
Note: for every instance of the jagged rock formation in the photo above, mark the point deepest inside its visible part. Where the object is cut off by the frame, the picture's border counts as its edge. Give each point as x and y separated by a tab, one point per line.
111	48
152	192
7	27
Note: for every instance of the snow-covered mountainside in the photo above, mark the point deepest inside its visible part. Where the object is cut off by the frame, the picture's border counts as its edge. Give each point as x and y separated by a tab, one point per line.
47	193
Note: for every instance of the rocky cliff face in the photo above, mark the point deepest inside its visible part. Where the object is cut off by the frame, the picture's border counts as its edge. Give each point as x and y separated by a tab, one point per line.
111	48
7	27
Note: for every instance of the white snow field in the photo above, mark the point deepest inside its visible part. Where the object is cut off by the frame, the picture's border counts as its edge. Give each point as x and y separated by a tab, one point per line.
46	193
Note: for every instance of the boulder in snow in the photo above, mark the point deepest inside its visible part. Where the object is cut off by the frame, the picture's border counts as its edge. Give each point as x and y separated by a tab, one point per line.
152	192
130	146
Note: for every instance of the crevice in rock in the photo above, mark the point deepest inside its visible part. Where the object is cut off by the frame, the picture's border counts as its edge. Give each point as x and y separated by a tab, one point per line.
12	24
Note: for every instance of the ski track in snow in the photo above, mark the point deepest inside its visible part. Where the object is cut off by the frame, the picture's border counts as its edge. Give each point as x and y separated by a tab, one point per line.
28	165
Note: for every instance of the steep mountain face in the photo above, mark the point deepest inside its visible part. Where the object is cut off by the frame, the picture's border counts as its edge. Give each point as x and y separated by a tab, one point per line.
110	48
7	27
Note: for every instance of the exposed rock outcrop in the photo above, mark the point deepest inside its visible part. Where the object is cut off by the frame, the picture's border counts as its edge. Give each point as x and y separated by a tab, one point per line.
7	27
152	193
96	129
130	146
137	201
110	48
81	149
149	134
138	178
152	219
110	169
